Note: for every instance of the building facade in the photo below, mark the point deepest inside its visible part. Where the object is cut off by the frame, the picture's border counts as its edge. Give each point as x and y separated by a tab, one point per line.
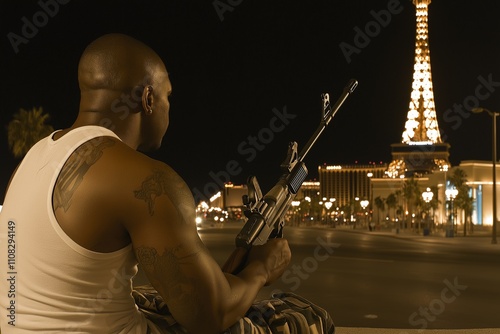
345	183
479	175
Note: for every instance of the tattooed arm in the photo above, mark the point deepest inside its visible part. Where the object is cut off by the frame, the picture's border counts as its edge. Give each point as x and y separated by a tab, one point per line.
108	195
200	296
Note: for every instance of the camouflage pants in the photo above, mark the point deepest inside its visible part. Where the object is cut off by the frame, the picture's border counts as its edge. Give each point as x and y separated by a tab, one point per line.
286	313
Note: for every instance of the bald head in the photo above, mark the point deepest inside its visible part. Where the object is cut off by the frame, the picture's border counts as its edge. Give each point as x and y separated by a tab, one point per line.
118	62
124	86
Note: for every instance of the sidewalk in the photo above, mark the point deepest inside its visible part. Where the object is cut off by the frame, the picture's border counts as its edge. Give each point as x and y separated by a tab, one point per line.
478	238
353	330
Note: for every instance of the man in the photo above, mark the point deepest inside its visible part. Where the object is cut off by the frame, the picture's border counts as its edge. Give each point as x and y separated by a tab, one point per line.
85	207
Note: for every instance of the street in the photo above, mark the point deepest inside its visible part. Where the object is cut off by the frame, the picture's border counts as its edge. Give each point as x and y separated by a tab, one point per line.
367	279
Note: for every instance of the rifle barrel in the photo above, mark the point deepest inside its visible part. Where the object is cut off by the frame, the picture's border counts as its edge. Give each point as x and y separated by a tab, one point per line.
351	86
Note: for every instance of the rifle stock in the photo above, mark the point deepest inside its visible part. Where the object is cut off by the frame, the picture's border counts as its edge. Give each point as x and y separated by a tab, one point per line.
265	214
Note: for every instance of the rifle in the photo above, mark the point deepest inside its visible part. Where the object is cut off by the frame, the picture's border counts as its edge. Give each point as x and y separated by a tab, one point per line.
265	214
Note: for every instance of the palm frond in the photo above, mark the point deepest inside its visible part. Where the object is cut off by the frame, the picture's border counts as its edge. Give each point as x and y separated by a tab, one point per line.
26	128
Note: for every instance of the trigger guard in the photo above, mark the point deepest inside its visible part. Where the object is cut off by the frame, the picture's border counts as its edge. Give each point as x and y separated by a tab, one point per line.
277	233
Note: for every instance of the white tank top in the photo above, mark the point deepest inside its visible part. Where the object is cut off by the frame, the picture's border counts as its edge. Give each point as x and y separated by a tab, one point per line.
49	283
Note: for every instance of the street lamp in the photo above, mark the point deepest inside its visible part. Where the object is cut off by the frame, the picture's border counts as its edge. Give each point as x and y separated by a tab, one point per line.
328	205
333	200
364	204
427	196
494	157
451	194
353	211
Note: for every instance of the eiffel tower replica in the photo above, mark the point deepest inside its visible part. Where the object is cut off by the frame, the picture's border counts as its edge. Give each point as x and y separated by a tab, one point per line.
421	150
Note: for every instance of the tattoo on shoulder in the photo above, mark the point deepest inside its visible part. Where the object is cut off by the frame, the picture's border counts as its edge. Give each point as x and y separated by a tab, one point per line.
75	169
152	187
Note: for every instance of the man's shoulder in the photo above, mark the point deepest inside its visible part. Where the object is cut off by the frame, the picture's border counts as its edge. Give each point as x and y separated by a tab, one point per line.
98	142
123	166
122	156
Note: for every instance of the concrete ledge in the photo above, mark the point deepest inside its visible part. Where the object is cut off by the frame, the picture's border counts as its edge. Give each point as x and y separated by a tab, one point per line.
356	330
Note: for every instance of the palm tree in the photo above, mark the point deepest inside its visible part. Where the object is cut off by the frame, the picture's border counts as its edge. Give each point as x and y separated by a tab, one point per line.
399	198
25	129
411	194
380	204
392	202
434	203
462	201
458	178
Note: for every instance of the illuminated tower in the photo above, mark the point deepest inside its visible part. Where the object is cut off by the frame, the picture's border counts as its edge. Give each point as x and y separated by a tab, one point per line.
421	150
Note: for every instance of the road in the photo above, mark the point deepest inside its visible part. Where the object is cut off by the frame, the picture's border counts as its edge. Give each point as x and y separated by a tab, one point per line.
386	281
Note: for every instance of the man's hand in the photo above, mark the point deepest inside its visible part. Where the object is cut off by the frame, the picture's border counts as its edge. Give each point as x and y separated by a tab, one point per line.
275	256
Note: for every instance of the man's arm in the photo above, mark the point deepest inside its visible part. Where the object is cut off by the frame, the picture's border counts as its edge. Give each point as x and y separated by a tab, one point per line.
161	224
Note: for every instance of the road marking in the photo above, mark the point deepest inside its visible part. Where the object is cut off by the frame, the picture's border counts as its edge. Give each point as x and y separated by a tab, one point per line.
371	316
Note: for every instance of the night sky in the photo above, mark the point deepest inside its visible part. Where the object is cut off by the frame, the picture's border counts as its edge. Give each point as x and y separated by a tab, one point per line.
244	69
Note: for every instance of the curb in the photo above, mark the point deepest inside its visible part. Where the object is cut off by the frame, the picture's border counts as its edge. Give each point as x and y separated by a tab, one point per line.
482	239
355	330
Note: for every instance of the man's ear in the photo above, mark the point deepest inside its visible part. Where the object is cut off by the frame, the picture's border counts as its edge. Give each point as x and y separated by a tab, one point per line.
147	99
